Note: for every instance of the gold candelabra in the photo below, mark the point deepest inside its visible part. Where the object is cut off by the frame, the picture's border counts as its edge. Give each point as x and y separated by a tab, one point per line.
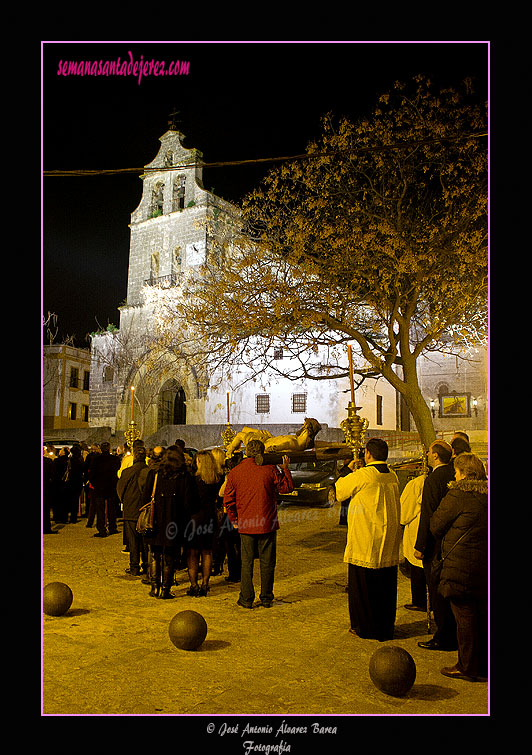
228	435
133	432
354	428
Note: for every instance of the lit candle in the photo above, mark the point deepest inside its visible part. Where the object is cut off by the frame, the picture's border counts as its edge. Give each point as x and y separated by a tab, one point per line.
227	407
351	380
132	403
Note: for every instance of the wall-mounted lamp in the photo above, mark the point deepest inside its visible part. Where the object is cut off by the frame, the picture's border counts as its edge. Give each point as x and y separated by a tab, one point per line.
475	407
432	405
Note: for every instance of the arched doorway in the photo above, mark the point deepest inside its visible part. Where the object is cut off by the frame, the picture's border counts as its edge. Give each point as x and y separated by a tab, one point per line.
172	405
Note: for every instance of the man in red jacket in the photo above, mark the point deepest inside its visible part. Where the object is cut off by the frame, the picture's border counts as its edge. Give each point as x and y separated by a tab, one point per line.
251	505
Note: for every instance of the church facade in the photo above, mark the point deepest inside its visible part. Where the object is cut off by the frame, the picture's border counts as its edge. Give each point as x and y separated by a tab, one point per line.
171	232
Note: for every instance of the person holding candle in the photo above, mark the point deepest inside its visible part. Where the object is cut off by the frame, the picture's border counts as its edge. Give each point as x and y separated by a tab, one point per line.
373	541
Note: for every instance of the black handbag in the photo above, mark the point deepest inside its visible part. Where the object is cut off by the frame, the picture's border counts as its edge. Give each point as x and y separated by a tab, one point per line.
145	526
437	564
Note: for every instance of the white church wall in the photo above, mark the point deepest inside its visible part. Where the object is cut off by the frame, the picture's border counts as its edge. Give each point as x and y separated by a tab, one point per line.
271	400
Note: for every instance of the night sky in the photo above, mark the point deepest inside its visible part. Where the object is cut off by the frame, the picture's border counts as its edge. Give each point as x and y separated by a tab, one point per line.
240	101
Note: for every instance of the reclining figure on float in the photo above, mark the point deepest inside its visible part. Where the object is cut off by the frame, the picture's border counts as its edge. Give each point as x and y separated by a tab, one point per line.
301	441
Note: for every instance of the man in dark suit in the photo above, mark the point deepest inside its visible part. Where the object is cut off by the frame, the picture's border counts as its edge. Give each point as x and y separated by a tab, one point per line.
103	478
427	548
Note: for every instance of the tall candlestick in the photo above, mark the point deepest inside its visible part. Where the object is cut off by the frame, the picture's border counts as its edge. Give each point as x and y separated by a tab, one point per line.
351	380
132	403
227	407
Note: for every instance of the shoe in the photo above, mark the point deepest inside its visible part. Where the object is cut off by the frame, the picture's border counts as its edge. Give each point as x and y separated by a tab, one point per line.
412	607
99	534
193	591
453	673
155	589
263	604
203	590
434	645
243	605
133	572
165	593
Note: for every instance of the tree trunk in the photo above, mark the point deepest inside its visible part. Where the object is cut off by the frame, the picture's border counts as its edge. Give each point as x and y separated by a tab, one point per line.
421	414
413	396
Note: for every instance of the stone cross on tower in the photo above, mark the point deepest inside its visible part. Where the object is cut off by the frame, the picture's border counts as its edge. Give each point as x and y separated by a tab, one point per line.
174	121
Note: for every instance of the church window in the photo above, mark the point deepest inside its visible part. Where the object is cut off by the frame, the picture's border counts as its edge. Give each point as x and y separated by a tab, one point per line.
108	374
154	271
379	410
299	403
262	403
178	199
157	201
74	377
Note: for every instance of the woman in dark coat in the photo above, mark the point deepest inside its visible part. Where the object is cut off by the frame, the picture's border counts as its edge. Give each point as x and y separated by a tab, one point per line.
173	500
130	490
202	526
463	513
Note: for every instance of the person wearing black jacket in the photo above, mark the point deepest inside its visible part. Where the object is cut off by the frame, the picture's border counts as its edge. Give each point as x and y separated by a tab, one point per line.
427	547
103	478
461	521
130	490
172	487
72	484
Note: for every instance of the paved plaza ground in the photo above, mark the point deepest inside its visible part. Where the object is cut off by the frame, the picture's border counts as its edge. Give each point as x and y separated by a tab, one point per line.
111	652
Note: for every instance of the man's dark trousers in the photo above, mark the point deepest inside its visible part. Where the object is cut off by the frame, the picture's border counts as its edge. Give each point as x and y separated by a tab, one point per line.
263	547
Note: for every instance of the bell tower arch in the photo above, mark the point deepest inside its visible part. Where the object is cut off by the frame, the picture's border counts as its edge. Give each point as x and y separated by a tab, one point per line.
169	225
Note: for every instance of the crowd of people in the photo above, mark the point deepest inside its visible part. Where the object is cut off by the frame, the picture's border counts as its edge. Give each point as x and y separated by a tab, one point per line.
441	521
206	508
203	510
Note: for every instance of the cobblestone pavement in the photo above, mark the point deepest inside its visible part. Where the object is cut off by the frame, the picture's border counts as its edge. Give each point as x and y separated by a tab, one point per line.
111	652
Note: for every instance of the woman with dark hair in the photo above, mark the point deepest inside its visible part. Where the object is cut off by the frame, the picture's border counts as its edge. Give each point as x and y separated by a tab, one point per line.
461	520
202	527
172	487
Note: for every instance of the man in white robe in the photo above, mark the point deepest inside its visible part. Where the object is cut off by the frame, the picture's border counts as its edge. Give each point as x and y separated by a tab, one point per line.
410	514
373	542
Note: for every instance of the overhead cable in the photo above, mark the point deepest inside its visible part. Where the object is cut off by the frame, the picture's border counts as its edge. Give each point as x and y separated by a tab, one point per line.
258	161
